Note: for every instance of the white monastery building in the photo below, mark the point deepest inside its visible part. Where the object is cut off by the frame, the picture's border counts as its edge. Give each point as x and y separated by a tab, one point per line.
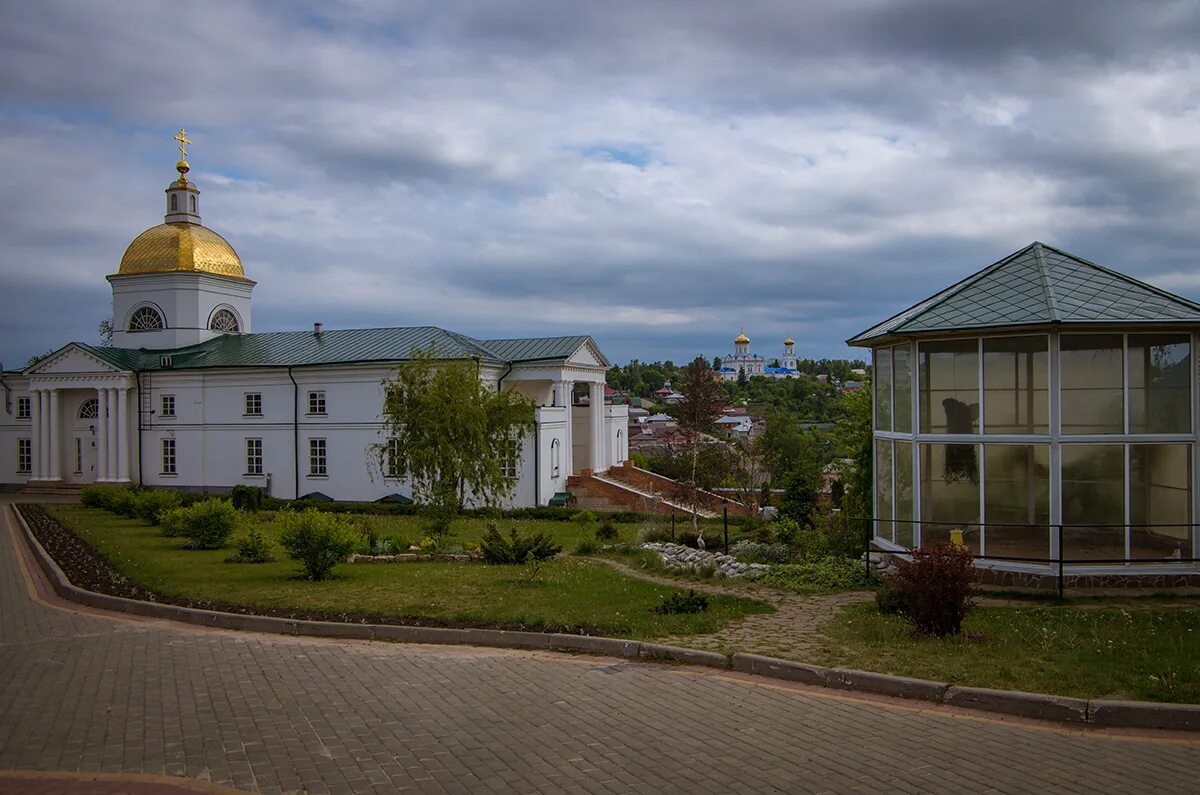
752	364
188	397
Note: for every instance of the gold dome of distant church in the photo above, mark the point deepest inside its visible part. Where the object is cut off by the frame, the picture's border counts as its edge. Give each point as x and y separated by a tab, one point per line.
182	244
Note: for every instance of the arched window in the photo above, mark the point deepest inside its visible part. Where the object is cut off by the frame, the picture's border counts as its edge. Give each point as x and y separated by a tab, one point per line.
174	202
224	321
146	318
554	458
193	203
89	409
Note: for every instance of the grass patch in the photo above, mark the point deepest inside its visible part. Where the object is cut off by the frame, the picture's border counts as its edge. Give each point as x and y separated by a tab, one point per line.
1146	652
566	593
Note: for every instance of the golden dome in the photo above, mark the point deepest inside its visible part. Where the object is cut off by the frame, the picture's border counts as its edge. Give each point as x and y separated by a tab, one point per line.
741	339
181	248
789	341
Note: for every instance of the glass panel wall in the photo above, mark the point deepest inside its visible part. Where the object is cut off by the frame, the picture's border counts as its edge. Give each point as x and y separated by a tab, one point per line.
949	386
1016	500
883	389
904	494
950	493
1093	392
1160	377
902	376
1016	385
1093	494
883	488
1160	494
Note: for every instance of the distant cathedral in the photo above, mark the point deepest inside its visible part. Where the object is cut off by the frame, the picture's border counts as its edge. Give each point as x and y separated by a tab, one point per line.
751	364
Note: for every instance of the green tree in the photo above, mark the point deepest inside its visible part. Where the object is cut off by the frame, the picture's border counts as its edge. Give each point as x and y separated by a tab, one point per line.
696	413
451	435
853	442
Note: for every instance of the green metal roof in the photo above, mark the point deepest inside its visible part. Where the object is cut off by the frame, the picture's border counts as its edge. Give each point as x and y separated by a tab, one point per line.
345	346
1037	285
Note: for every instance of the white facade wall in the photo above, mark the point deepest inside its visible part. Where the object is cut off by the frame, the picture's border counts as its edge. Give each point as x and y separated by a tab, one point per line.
187	302
12	429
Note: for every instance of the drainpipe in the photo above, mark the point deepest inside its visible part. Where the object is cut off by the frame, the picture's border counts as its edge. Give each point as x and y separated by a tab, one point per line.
500	381
537	463
295	431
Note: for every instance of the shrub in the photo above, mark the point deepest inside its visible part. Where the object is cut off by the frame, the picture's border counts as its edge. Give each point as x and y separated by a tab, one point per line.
756	552
937	588
497	548
246	498
99	496
586	521
691	602
253	548
123	502
607	531
654	534
209	524
587	546
889	600
318	540
172	522
826	574
150	505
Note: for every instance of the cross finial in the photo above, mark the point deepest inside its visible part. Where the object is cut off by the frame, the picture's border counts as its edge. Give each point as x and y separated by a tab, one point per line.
183	142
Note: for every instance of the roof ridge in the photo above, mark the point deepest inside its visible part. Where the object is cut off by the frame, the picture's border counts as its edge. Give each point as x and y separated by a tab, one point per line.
1044	278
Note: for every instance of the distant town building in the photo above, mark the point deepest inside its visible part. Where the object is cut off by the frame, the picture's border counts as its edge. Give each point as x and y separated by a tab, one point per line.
751	364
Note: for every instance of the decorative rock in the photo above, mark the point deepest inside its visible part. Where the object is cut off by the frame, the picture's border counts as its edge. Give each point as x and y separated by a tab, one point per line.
677	556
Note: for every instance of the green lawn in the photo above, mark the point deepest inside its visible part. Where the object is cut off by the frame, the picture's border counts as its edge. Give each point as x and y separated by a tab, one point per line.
566	593
1147	652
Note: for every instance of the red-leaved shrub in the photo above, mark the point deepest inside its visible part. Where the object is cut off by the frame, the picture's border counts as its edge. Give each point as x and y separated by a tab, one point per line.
937	588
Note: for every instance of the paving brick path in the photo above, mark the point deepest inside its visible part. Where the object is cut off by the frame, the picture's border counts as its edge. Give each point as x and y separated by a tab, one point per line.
82	691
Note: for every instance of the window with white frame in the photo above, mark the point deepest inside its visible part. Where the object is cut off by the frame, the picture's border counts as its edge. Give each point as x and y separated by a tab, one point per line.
23	408
168	405
168	456
392	465
317	462
510	459
254	457
24	455
316	402
254	404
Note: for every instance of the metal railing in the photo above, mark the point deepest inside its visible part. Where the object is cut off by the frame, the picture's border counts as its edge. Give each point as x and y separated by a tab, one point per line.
1054	563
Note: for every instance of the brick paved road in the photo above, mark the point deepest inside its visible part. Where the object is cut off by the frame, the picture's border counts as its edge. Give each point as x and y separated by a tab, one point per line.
259	712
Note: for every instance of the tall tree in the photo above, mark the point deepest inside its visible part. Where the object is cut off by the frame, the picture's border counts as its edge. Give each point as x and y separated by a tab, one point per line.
696	413
451	435
854	446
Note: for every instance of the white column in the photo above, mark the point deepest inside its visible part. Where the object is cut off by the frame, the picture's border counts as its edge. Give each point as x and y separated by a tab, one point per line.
55	437
44	434
123	435
111	428
35	434
566	392
102	435
596	405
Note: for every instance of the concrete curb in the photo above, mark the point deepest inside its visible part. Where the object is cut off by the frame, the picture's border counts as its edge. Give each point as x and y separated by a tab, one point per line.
1041	706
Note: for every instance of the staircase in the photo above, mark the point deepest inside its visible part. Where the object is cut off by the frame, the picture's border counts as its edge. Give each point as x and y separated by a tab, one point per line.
627	488
49	490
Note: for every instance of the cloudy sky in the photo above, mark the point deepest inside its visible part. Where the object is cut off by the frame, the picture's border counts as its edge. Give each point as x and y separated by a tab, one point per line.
658	175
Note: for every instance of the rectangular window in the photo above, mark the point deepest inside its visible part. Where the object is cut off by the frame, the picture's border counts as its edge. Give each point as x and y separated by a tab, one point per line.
392	465
254	457
22	408
24	455
316	402
883	489
168	456
1016	500
168	405
1093	501
1160	500
949	373
316	458
511	458
903	464
883	389
950	493
1016	385
1160	378
254	404
1093	391
902	381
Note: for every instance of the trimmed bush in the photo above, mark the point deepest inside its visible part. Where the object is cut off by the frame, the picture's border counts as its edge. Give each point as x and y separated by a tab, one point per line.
123	502
246	498
99	496
607	531
755	552
209	524
172	522
937	588
318	540
151	504
253	548
514	548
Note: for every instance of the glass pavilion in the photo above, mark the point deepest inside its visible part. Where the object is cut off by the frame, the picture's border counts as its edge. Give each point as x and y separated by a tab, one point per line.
1042	392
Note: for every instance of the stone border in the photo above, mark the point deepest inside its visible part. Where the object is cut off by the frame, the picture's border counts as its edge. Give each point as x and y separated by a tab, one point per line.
1095	712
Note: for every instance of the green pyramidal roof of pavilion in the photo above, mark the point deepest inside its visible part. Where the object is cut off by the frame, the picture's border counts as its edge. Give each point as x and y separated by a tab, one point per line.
1038	285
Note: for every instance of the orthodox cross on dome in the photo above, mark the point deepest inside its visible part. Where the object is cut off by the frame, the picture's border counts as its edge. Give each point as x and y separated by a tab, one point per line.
183	142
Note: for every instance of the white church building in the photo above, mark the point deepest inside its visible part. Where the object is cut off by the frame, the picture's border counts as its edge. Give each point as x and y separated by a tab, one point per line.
188	397
742	361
